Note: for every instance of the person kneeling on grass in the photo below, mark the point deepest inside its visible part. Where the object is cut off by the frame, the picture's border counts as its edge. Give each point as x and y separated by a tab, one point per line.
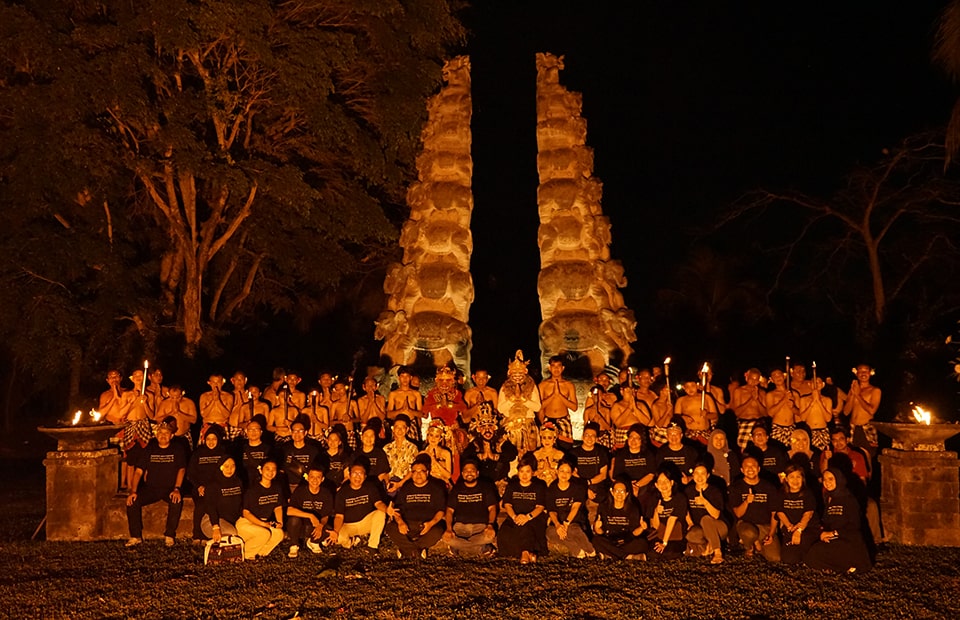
157	477
418	510
261	525
359	508
309	512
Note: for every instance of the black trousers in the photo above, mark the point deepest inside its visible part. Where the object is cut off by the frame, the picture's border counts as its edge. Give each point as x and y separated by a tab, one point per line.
151	495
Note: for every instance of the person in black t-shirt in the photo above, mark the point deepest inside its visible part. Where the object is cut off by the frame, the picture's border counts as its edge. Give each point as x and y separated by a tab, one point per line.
224	504
310	503
261	525
752	501
204	467
592	462
523	534
796	511
158	475
417	510
705	518
681	454
254	451
471	516
669	518
359	510
567	513
298	453
620	526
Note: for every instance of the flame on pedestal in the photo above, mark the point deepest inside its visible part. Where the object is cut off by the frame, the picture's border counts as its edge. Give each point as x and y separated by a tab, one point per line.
923	416
76	418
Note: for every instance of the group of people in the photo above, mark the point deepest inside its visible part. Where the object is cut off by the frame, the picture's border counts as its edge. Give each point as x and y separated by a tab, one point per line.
480	471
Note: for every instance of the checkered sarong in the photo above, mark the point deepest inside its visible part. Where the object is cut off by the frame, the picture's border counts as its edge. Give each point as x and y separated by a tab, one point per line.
605	439
136	432
232	432
619	437
820	438
783	434
745	432
658	435
701	435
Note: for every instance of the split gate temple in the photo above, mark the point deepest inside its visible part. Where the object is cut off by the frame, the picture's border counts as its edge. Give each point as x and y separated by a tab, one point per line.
429	293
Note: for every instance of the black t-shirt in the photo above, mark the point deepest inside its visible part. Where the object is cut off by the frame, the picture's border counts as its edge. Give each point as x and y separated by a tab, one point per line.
560	501
617	521
336	465
472	504
773	461
377	458
204	467
252	458
841	513
685	458
525	498
297	460
589	463
793	505
633	465
355	504
319	504
712	494
261	501
160	465
420	504
224	499
764	500
676	506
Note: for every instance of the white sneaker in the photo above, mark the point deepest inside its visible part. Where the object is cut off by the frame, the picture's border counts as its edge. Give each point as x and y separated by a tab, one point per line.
168	541
294	551
133	542
313	547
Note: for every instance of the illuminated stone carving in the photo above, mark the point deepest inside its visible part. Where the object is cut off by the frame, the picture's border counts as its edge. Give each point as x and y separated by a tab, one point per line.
579	286
430	292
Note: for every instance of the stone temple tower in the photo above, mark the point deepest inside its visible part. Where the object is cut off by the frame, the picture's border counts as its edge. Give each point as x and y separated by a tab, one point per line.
430	291
583	311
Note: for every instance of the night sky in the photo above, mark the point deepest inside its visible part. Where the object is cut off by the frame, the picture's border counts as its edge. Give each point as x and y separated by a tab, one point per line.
689	105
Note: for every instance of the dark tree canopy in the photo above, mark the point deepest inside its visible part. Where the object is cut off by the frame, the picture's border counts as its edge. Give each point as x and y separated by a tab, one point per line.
174	165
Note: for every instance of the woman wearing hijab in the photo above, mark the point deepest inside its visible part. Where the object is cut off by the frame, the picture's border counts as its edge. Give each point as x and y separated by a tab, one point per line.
204	468
726	462
840	548
224	504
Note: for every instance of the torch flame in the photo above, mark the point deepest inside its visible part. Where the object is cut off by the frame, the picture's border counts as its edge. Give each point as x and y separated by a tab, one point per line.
706	368
95	415
923	416
666	361
76	417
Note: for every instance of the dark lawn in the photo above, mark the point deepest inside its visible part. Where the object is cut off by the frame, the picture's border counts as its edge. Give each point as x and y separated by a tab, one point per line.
105	580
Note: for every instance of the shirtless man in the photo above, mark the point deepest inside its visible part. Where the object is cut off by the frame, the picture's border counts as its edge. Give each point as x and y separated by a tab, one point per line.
863	400
599	409
326	380
405	400
661	414
799	381
137	431
283	412
749	405
156	393
782	406
558	397
480	393
297	398
183	409
112	405
272	391
625	413
698	410
215	404
344	411
371	404
714	392
240	412
816	410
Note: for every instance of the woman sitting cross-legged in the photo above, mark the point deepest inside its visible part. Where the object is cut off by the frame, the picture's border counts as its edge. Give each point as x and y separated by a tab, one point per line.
523	534
620	526
224	502
261	525
669	518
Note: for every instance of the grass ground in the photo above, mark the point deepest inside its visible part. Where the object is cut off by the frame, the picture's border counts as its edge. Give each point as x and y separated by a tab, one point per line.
105	580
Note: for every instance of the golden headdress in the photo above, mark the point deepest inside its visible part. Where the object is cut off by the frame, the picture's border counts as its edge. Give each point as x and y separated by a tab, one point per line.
518	364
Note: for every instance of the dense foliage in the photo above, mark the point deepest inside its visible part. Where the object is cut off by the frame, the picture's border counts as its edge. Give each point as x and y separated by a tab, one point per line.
180	166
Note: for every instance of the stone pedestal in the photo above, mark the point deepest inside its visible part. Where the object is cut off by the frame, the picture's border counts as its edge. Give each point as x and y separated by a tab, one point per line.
920	497
81	480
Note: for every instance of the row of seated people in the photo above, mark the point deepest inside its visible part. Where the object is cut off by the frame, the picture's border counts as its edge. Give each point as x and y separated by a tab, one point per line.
423	508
